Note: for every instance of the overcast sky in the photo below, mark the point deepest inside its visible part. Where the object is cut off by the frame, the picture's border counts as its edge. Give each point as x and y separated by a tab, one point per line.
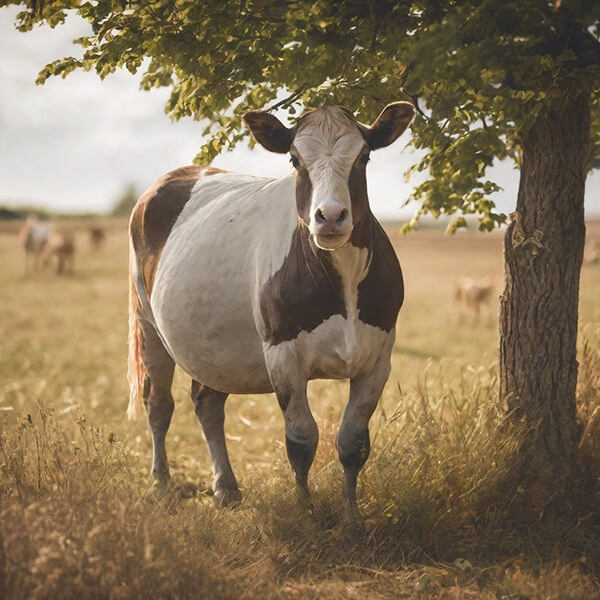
74	144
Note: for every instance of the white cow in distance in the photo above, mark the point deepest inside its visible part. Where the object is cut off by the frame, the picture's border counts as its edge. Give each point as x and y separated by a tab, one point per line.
33	239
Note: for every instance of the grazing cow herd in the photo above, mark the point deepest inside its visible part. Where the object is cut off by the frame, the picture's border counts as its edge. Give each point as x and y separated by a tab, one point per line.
44	246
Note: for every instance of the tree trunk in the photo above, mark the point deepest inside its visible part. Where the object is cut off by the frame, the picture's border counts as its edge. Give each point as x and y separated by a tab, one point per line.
543	251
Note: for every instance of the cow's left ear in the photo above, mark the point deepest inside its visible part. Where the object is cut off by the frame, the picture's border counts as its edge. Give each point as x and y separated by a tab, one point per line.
269	131
390	124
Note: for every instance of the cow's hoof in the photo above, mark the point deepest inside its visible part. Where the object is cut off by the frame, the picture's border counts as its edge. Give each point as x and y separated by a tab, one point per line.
227	498
160	478
353	522
157	490
303	497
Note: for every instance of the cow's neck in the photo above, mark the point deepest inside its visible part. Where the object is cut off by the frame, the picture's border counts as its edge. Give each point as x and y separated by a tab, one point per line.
349	263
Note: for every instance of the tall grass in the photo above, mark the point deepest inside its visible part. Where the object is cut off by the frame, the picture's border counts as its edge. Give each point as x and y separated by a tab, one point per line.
444	515
77	522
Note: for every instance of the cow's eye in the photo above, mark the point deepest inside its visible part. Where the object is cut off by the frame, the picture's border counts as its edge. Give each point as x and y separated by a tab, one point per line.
295	162
365	158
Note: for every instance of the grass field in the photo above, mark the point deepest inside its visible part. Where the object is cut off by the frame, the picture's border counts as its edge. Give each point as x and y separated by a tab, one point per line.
78	518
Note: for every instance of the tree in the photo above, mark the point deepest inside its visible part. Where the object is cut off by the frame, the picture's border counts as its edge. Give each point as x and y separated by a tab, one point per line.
490	78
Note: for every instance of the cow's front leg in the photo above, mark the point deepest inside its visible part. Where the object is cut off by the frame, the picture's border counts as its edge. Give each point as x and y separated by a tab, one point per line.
352	441
301	434
301	431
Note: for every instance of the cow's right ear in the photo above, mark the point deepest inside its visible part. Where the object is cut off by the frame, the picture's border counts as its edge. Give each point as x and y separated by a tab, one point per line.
269	131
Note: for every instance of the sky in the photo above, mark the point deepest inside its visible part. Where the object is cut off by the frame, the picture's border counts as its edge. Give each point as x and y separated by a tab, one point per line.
75	144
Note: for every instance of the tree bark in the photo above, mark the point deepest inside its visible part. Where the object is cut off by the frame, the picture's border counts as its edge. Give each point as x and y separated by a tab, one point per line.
543	251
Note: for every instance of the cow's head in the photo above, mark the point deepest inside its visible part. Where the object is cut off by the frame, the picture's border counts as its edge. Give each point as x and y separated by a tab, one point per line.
330	150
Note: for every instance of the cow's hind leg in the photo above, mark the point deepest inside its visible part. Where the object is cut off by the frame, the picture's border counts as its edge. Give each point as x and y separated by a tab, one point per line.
157	397
210	408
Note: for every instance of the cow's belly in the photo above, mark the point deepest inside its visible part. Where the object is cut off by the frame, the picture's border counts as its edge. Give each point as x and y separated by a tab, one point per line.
222	349
203	312
215	343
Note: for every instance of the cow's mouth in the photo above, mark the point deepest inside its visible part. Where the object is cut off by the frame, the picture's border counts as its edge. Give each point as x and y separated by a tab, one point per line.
331	241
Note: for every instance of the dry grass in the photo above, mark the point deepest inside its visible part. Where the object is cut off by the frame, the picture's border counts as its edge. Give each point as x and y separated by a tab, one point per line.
445	518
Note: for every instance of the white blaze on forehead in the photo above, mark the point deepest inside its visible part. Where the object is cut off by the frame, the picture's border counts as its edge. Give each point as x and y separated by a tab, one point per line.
328	143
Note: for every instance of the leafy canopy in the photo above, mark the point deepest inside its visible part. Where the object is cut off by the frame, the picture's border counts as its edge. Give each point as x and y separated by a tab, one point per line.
480	72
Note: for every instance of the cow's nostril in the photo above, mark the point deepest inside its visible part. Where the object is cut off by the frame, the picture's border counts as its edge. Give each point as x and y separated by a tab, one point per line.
342	215
320	217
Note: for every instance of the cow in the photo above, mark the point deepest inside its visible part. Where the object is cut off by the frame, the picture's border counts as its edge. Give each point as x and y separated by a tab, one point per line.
97	238
60	248
471	295
255	285
33	238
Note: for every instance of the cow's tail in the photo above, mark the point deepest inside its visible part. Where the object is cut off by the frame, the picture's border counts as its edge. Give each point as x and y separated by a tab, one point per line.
135	365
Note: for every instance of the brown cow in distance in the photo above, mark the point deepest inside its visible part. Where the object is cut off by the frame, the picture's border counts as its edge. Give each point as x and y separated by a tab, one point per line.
471	295
97	238
61	249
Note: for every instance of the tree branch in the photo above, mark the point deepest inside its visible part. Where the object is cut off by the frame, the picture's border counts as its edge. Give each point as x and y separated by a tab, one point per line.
415	100
287	101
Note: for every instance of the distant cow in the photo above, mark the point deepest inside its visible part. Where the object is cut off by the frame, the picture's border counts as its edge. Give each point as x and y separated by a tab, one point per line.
33	239
470	295
60	248
97	237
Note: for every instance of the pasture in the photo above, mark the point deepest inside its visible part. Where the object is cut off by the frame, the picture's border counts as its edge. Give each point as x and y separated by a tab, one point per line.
444	519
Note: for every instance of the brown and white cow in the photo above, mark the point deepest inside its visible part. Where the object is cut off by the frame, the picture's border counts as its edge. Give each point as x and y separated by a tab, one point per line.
60	249
255	285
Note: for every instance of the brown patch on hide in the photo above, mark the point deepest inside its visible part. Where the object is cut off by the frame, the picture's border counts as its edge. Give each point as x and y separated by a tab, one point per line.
303	293
155	214
357	185
381	292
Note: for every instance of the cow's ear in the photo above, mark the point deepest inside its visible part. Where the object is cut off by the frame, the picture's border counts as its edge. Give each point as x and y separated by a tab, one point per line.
390	125
269	131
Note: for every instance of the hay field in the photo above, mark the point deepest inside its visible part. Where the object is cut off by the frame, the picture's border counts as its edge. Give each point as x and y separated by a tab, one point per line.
79	520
